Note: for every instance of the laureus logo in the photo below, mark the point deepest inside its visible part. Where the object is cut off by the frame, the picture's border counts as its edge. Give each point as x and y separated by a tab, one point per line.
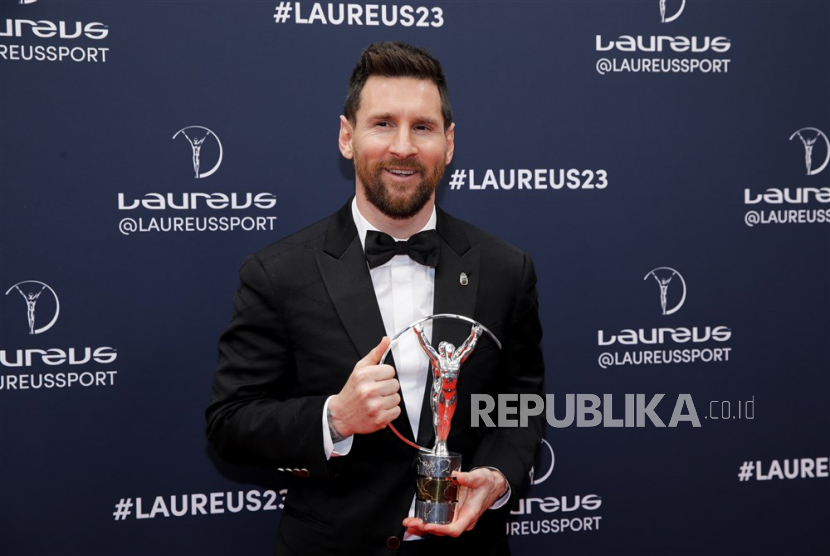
668	19
665	277
809	137
196	136
545	460
38	304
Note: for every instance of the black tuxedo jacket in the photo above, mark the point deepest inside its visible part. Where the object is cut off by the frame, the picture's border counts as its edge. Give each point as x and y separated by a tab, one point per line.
305	313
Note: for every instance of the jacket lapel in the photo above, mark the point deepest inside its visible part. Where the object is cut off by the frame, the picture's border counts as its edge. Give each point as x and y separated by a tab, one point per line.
451	296
342	265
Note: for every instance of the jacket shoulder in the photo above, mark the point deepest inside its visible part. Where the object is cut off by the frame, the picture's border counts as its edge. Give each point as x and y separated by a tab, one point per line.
493	249
299	246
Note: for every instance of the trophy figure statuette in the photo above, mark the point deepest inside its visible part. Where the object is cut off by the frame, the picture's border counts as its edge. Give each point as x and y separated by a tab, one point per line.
436	494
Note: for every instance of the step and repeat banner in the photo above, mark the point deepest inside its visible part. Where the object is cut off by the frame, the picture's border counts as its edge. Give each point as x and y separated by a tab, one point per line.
664	162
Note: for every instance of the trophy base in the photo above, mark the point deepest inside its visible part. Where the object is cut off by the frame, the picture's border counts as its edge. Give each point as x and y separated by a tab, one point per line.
436	495
441	513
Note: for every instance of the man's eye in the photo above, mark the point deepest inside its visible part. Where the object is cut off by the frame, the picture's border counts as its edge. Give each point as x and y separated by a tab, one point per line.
382	124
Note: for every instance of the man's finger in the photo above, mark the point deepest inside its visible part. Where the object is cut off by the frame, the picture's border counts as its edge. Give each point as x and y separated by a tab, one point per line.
454	529
467	479
414	526
394	413
387	385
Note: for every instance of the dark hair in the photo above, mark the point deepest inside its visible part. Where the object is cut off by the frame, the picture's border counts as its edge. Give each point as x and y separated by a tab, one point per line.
396	59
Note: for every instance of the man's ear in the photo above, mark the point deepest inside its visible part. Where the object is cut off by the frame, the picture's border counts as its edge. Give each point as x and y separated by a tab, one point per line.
450	136
344	138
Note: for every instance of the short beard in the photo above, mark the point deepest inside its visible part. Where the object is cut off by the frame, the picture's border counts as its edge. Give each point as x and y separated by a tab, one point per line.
378	194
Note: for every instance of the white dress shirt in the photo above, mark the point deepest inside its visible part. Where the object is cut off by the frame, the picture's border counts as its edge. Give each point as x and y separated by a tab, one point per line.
405	291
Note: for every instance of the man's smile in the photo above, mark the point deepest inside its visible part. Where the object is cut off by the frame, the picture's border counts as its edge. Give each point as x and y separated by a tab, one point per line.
400	172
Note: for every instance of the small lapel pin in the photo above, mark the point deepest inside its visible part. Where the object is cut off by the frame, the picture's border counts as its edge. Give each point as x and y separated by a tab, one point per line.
463	280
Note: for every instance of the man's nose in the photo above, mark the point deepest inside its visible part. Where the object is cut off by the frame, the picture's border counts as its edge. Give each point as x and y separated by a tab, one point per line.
402	145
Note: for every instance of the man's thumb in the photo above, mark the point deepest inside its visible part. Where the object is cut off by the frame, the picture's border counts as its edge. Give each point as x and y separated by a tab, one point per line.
374	356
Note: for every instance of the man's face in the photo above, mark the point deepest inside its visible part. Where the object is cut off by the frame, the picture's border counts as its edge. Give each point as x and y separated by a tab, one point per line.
398	143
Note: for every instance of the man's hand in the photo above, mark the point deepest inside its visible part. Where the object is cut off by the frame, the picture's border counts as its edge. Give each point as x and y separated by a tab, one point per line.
369	400
480	488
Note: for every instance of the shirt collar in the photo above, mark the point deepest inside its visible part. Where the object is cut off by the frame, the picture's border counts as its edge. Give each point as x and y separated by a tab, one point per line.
364	226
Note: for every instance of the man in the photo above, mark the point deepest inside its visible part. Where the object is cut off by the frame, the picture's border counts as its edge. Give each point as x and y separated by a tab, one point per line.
300	383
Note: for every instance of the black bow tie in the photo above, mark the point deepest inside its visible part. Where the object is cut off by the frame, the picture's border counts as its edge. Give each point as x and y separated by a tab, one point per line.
422	248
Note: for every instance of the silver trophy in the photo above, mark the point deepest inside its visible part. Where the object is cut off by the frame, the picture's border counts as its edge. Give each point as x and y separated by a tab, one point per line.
436	494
